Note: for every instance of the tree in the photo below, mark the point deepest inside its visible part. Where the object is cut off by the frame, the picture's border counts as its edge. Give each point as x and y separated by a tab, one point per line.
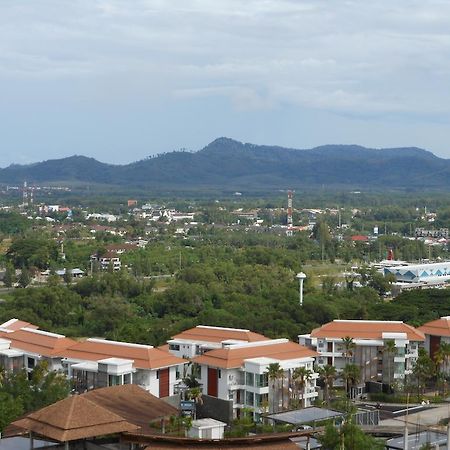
423	369
10	409
10	276
275	372
327	374
389	350
349	347
24	278
350	374
195	394
301	376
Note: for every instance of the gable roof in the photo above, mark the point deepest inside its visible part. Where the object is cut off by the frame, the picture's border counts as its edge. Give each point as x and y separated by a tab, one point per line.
74	418
366	329
203	333
144	356
133	403
438	327
37	341
234	356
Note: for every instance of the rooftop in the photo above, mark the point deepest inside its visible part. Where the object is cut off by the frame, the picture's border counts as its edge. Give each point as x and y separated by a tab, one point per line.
144	356
366	329
203	333
438	327
234	356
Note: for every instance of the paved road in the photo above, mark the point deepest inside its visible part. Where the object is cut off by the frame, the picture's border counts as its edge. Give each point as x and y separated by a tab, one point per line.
429	417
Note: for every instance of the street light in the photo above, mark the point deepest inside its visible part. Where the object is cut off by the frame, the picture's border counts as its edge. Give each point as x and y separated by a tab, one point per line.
300	277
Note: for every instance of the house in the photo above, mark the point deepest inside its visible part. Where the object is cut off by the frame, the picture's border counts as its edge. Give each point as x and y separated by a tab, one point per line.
109	260
238	372
369	338
198	340
436	332
95	363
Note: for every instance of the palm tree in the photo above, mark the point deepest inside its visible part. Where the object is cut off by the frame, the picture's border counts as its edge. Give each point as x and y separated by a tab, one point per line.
195	394
327	375
301	376
274	372
389	349
350	374
349	347
445	348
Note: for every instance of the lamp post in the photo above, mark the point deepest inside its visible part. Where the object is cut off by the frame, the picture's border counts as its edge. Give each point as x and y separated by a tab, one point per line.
300	277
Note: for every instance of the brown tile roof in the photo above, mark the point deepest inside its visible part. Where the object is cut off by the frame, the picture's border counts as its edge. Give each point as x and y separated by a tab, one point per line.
16	324
365	329
133	403
232	357
144	356
203	333
39	342
74	418
438	327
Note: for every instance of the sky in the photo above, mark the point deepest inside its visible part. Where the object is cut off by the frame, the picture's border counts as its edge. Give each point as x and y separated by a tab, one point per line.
120	80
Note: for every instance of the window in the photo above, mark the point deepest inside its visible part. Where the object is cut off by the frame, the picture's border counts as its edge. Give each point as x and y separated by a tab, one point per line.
249	398
196	370
249	379
219	373
261	380
114	380
31	363
175	347
261	400
127	378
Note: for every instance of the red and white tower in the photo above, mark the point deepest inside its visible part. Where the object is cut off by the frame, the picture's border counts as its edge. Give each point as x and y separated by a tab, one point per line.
289	214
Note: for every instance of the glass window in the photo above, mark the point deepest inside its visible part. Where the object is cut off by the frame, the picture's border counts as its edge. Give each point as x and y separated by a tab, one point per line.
174	347
261	399
249	379
127	378
249	398
114	380
31	362
262	380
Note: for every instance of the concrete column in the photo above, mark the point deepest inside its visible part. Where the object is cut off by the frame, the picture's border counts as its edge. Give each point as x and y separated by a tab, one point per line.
405	437
448	437
31	441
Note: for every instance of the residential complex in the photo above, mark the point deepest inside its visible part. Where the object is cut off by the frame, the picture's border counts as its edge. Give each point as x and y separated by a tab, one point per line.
369	348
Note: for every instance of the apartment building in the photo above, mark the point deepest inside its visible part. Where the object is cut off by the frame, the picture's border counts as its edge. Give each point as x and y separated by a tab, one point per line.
92	363
202	338
238	372
436	332
97	363
369	353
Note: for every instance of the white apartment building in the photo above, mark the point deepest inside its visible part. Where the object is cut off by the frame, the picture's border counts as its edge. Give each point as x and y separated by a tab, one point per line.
369	338
238	372
436	332
92	363
198	340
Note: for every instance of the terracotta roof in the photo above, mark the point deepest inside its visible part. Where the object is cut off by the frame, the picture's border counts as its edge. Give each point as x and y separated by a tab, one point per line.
365	329
203	333
16	324
439	327
133	403
144	356
39	342
74	418
234	356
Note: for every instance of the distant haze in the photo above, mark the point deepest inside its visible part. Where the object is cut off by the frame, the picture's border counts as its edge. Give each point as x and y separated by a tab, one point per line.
119	80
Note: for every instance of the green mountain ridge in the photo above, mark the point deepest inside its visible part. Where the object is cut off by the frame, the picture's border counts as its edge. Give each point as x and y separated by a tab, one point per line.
229	164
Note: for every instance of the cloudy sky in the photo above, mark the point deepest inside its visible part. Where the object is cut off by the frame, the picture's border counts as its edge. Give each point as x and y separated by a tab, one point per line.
120	80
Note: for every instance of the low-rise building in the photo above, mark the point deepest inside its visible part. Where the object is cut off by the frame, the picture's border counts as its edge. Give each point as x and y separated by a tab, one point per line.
239	372
369	338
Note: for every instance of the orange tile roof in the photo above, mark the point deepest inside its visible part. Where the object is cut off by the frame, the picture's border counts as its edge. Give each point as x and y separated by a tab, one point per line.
16	324
439	327
39	342
144	356
365	329
202	333
234	356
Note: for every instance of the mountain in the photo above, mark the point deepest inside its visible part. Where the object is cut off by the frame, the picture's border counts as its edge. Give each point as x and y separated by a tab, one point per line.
226	164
